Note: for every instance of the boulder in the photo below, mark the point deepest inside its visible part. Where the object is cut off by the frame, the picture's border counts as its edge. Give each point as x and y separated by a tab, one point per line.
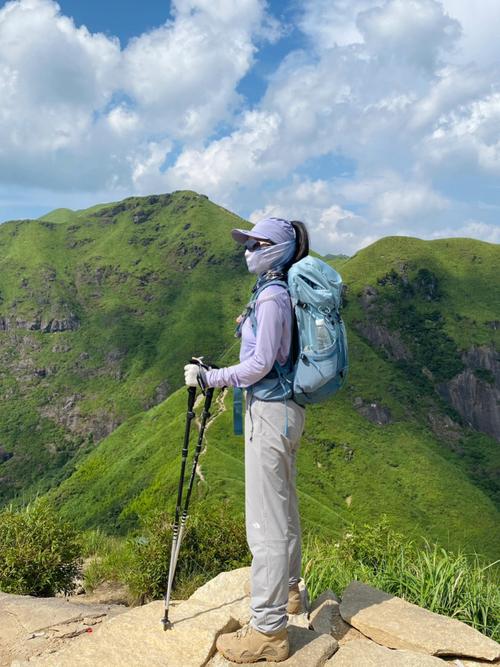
225	588
326	595
369	654
325	618
307	648
396	623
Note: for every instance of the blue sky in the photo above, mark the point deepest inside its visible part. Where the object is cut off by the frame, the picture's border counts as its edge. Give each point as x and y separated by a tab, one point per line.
362	117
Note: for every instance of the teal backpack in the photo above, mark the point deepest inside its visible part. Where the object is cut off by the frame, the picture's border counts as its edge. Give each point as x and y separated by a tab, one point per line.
317	365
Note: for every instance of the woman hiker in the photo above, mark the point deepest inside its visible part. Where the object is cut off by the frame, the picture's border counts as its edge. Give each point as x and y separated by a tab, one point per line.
273	429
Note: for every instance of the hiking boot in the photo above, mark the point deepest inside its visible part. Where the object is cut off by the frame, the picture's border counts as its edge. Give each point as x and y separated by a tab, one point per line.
294	605
250	645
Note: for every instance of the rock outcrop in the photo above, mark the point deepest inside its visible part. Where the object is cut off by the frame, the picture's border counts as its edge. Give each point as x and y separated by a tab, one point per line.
49	325
29	625
367	628
366	653
373	411
396	623
475	392
382	338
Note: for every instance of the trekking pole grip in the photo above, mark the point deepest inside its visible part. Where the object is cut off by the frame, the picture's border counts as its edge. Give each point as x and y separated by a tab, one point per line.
191	399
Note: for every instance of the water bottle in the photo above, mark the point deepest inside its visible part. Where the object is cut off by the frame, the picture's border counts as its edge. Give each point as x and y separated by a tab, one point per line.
323	339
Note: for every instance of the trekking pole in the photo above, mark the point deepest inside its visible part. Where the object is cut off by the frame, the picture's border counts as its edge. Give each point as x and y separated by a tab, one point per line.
204	418
189	417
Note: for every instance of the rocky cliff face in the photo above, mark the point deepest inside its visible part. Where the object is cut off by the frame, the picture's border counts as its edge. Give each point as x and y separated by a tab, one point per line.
382	338
475	392
469	382
39	323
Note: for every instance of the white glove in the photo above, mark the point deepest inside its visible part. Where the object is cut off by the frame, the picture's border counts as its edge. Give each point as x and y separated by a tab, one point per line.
191	375
195	374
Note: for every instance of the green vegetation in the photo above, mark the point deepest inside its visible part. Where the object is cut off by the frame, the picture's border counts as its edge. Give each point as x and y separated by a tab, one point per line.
459	585
401	468
468	294
94	414
39	552
214	541
139	286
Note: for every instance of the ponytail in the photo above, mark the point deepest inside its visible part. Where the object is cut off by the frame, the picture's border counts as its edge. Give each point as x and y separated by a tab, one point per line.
301	242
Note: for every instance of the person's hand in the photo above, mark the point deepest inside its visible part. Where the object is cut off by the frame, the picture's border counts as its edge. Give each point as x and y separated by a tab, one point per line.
195	373
191	375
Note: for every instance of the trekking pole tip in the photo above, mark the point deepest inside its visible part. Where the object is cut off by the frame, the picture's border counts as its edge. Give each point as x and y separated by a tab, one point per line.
167	625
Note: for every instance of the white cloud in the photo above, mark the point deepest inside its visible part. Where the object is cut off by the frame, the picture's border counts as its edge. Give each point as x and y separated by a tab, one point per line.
52	76
385	206
78	112
412	202
471	229
239	160
468	135
123	120
183	75
385	86
390	102
480	20
332	23
331	227
414	31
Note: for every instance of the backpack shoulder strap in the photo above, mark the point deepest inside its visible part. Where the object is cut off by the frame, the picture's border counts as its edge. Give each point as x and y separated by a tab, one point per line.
255	296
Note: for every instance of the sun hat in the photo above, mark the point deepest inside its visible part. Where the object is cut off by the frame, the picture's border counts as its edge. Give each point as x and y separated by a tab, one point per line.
276	230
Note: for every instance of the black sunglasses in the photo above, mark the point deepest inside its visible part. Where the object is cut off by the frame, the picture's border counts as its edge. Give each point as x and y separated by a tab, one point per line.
253	244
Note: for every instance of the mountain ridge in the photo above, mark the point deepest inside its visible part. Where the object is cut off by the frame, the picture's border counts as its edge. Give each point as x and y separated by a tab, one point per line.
103	311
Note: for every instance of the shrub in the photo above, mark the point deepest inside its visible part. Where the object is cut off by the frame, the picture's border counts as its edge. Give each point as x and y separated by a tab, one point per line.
214	541
39	553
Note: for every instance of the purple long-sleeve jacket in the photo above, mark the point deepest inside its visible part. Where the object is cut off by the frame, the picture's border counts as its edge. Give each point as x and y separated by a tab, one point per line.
273	312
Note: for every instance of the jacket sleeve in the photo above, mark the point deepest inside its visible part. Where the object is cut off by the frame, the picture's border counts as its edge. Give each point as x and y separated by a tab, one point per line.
270	322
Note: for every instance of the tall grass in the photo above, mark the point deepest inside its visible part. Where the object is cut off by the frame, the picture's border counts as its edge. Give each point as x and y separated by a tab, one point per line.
455	584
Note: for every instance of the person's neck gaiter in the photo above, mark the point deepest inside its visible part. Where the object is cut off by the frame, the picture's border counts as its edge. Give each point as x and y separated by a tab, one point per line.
271	257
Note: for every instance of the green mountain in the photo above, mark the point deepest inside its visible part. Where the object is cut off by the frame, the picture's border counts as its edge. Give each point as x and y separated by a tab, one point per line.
100	309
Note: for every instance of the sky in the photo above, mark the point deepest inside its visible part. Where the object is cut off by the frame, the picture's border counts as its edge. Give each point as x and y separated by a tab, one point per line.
364	118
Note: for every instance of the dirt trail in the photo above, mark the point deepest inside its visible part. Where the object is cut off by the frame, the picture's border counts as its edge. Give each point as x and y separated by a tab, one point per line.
218	407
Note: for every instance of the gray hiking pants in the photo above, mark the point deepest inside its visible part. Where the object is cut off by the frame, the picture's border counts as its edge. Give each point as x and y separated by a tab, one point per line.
271	509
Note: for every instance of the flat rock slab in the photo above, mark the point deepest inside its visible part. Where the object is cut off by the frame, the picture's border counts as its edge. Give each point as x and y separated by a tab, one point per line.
396	623
369	654
225	587
136	638
307	649
29	625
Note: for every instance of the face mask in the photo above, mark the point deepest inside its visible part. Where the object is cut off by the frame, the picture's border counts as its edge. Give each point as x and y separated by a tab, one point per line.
272	257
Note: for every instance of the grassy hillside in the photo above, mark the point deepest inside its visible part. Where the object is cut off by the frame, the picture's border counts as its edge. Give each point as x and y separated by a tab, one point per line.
101	308
349	468
462	280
